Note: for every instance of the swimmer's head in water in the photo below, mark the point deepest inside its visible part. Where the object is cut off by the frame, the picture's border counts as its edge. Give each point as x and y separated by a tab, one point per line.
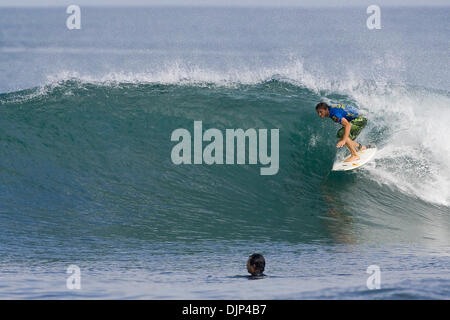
256	264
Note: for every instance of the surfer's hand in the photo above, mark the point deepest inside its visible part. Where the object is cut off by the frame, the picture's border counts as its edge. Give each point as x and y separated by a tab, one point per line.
340	144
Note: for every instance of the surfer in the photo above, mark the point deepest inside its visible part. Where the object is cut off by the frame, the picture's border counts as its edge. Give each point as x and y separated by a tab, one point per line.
255	266
352	124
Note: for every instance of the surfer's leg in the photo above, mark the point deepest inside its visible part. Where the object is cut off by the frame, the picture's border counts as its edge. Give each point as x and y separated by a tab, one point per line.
351	145
358	146
357	125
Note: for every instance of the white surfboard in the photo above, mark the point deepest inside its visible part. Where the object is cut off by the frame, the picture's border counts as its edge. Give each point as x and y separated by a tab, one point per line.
365	156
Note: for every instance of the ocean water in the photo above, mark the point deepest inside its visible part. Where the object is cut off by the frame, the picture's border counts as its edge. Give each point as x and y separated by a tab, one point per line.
86	176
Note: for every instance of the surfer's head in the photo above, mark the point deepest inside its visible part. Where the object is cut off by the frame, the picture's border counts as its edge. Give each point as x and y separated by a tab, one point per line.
323	110
256	264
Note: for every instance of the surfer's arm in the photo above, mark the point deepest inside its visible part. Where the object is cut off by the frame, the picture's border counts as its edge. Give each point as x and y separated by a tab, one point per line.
347	127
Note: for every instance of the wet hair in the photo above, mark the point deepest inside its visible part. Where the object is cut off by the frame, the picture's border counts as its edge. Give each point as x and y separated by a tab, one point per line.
257	260
323	106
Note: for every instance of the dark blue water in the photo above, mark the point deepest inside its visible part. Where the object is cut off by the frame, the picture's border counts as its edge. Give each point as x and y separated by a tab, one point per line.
86	176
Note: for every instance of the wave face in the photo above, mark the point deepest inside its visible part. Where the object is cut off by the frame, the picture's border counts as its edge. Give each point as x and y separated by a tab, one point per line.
91	158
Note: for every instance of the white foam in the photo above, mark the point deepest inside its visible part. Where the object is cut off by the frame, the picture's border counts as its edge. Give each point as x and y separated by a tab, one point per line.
415	154
178	72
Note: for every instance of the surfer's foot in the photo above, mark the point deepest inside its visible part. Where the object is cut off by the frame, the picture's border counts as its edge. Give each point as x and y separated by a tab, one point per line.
360	147
352	158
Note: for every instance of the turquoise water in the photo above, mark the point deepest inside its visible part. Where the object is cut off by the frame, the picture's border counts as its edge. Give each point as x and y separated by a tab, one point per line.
87	179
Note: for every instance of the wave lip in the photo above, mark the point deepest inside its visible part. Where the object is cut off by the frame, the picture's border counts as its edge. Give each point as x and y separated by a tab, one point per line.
182	73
